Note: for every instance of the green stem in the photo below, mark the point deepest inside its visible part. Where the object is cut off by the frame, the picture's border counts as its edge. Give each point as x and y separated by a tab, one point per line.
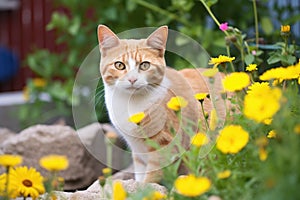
228	54
108	152
205	119
256	23
286	45
162	11
212	15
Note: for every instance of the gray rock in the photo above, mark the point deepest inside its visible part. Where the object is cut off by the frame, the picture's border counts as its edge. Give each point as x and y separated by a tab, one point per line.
5	134
95	192
40	140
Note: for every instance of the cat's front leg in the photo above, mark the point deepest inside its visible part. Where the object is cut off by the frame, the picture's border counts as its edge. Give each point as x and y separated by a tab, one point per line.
139	168
154	172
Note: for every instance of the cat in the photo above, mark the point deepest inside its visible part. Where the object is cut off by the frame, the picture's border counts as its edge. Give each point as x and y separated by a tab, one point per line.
136	79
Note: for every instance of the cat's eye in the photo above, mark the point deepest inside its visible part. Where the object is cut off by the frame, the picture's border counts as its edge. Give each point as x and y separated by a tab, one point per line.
144	65
119	65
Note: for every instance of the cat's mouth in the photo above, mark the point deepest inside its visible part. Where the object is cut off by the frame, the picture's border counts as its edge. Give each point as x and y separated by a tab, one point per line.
132	88
135	88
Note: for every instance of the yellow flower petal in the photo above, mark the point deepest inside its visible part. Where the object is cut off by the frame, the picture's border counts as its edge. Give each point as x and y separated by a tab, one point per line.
119	192
8	160
282	73
210	72
199	139
261	102
39	82
106	171
251	67
192	186
263	155
213	122
224	174
137	118
232	139
236	81
201	96
176	103
285	28
297	129
219	60
29	182
271	134
54	162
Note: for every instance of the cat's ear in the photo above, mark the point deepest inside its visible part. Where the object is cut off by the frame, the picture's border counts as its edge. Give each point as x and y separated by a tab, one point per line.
107	38
158	39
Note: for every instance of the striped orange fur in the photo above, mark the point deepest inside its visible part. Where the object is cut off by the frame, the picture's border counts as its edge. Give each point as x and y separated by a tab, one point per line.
136	79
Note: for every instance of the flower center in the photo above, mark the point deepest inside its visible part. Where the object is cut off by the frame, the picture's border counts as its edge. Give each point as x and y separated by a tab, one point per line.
27	183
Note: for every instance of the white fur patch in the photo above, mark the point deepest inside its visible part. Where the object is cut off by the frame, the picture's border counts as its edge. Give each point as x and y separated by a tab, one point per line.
122	105
131	63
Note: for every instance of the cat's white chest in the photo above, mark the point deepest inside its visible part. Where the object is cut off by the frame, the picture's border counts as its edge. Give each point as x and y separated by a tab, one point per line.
122	105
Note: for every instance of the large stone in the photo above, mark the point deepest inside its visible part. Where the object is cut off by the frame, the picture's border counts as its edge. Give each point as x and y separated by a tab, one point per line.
41	140
5	134
95	192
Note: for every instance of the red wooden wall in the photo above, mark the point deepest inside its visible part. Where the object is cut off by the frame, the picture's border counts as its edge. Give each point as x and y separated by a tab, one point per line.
22	30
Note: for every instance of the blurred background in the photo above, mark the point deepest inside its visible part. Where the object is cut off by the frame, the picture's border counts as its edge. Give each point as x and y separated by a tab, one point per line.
43	43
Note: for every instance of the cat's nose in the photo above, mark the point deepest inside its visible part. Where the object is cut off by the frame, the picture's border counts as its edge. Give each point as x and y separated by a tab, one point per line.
132	80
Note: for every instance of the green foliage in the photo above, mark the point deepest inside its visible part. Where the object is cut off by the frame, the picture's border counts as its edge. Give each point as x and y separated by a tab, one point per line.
76	35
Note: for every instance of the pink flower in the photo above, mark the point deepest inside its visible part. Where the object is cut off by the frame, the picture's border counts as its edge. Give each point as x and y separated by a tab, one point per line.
253	52
224	26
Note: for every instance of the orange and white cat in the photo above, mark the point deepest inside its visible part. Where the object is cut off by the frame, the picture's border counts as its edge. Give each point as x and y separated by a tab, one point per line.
136	79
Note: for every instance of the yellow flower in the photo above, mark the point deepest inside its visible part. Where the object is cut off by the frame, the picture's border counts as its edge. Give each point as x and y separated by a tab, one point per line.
282	73
106	171
263	154
8	160
219	60
224	174
262	103
137	118
258	88
192	186
119	192
213	122
271	134
11	190
39	82
201	96
176	103
210	72
29	182
155	196
262	141
251	67
54	162
236	81
297	129
267	121
232	139
26	93
285	28
199	139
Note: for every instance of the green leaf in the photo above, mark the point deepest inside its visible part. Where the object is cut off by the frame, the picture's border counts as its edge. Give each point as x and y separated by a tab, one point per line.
209	3
267	25
75	25
274	58
288	60
130	5
249	58
58	20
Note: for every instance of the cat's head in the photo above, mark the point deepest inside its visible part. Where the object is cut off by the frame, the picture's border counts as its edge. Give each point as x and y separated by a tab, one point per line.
132	65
